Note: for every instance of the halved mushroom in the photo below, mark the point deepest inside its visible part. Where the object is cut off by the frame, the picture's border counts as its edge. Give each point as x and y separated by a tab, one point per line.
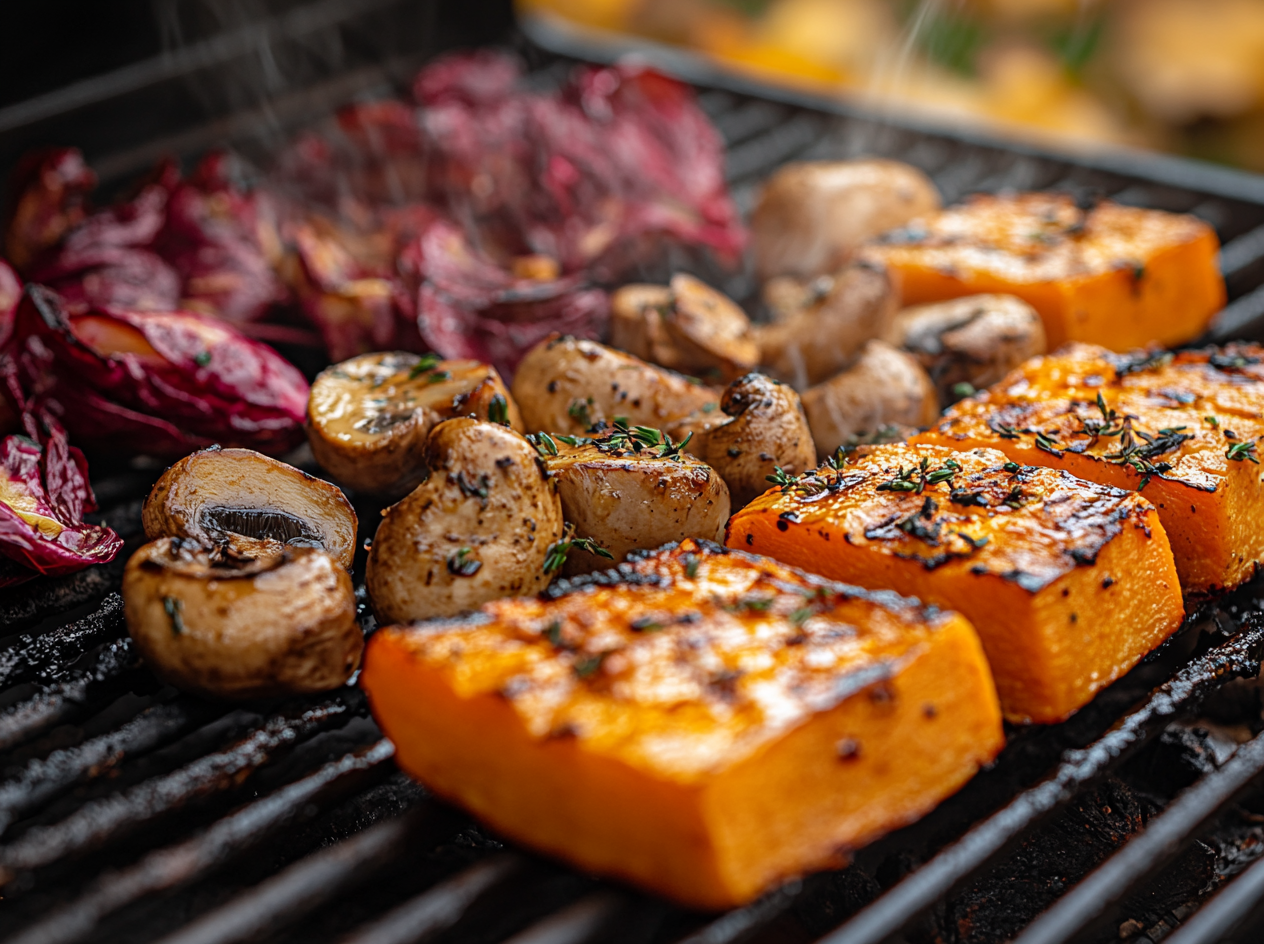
817	342
479	528
565	385
630	489
216	623
885	387
368	417
975	340
787	295
759	428
636	322
812	215
688	326
239	495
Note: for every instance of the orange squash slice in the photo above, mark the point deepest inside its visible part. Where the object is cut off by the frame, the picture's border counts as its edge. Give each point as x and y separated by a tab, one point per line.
1068	583
703	723
1113	275
1180	428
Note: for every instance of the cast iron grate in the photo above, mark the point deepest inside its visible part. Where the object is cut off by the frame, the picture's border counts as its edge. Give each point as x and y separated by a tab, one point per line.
131	812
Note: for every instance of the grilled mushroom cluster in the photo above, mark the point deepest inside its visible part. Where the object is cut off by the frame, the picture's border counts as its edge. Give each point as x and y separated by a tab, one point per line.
243	591
835	331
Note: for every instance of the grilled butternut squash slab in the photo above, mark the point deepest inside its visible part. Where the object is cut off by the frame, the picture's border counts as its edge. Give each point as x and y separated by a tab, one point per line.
1112	275
703	723
1068	583
1181	428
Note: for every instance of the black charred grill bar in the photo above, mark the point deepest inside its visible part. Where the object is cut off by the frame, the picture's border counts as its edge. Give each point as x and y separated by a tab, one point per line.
131	812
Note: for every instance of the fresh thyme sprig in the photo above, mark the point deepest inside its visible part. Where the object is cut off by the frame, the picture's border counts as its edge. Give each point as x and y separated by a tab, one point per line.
461	564
1242	450
916	478
427	363
543	443
640	438
555	557
498	410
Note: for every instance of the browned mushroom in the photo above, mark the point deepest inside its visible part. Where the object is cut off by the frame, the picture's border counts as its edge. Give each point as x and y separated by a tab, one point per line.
246	498
479	528
885	387
368	417
969	343
219	623
811	216
804	348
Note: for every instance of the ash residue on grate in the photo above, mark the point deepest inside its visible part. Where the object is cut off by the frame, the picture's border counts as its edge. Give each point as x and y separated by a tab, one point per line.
1001	903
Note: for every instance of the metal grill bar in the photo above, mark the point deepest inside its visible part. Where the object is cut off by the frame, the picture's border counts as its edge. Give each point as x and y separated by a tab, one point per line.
1148	851
740	922
574	924
186	862
1220	915
43	779
1239	317
46	597
80	692
311	882
45	657
107	819
1238	657
438	908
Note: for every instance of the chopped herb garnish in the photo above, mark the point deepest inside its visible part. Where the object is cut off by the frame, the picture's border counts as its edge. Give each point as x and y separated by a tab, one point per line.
799	616
645	624
427	362
963	389
543	443
475	489
1242	450
202	358
438	376
1002	430
1011	467
1212	422
461	564
691	565
671	450
553	633
758	604
1046	442
710	407
918	477
588	665
580	411
174	608
498	410
556	555
780	477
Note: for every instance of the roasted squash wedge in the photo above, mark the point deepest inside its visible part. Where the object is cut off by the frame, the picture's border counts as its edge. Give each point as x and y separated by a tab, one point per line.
1181	428
703	723
1112	275
1068	583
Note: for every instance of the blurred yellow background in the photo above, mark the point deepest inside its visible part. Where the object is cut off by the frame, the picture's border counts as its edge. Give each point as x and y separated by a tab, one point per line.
1185	76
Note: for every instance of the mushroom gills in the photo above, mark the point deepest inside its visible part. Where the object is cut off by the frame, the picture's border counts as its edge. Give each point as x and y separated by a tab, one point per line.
260	524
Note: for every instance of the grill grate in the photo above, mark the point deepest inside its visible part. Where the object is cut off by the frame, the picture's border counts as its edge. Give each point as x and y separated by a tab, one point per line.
130	812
